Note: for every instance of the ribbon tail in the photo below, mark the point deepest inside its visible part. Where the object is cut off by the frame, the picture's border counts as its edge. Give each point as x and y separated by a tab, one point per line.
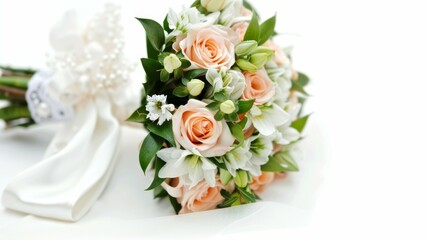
75	170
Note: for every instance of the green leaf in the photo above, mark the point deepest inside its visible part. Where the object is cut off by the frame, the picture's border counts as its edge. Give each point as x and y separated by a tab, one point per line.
152	53
243	122
250	197
177	207
272	166
218	161
219	96
195	3
228	203
245	105
151	145
151	67
164	75
232	117
138	116
157	180
297	87
154	33
302	101
165	131
281	162
286	160
180	91
252	32
219	116
214	106
185	63
194	73
267	30
300	123
303	79
159	192
225	194
237	132
178	73
166	25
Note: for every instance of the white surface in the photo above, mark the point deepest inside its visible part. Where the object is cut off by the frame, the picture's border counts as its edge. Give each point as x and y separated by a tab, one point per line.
125	207
368	61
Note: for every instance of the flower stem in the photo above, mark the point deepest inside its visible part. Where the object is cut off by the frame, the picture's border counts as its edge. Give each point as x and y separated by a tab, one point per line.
14	112
10	71
14	81
12	93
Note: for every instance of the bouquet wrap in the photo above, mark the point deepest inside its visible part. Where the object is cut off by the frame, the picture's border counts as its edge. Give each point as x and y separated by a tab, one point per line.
89	85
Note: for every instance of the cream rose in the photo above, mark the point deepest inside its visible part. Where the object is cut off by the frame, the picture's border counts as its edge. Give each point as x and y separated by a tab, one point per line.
196	130
258	86
240	28
280	57
209	47
259	183
202	197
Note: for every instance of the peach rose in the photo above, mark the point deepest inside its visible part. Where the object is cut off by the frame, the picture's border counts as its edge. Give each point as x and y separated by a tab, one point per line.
259	183
240	29
209	47
196	130
202	197
281	175
258	86
280	57
245	12
173	186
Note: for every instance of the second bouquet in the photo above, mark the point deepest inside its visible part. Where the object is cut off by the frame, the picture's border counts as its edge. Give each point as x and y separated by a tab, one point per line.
222	106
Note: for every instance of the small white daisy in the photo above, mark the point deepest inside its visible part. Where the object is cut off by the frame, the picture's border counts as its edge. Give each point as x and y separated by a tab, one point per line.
159	109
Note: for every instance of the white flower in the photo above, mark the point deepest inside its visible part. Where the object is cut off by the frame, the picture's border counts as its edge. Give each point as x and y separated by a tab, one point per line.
237	158
171	62
215	79
286	134
231	80
261	147
227	107
282	81
233	13
188	167
266	118
187	18
214	5
234	84
195	87
159	109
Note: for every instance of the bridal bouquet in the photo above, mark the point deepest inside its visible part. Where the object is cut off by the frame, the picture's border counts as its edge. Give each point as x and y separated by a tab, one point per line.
222	106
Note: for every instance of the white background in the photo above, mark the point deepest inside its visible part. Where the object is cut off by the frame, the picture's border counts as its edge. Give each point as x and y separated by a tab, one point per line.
368	61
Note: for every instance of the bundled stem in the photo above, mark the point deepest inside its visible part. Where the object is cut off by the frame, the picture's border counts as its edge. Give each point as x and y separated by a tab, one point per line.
10	71
12	93
14	81
13	87
14	112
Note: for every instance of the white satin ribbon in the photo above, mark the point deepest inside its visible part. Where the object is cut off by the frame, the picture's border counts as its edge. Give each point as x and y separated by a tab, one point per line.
93	76
76	168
